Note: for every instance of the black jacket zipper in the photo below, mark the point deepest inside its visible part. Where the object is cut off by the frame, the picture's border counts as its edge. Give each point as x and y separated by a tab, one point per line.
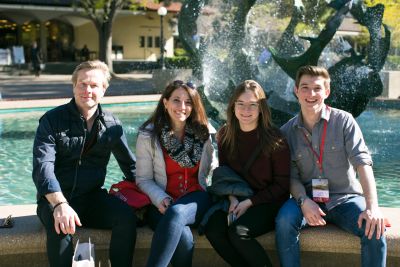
80	159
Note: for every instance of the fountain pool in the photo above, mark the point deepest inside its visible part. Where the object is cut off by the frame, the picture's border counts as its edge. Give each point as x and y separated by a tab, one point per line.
17	131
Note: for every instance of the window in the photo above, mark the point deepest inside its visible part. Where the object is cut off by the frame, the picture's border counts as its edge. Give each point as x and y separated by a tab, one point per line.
157	41
141	41
149	41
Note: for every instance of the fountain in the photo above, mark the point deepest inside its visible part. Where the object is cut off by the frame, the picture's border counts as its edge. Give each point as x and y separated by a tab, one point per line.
266	40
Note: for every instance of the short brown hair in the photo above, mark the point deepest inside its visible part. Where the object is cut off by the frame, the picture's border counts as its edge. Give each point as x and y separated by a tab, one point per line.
91	65
312	71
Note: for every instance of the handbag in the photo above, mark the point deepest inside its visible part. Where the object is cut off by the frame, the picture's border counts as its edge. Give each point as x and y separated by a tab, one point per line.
130	193
83	255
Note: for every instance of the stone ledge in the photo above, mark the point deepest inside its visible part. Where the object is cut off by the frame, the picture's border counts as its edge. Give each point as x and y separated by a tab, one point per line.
28	237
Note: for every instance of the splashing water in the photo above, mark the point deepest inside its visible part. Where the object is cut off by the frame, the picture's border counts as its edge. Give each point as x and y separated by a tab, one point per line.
267	40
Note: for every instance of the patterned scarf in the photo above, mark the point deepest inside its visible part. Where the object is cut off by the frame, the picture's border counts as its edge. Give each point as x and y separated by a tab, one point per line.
186	154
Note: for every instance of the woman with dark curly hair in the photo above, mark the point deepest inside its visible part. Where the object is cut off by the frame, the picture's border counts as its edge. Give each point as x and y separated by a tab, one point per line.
174	159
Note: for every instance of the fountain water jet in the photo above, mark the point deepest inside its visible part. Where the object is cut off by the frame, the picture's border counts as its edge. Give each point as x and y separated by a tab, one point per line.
225	40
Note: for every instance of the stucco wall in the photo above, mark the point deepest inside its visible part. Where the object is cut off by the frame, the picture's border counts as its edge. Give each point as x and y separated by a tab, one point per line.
127	30
86	34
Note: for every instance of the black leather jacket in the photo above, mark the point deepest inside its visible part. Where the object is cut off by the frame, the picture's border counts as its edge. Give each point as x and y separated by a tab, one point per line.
226	181
59	164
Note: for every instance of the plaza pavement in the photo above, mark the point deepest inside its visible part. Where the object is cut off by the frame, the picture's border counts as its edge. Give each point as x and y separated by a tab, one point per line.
51	90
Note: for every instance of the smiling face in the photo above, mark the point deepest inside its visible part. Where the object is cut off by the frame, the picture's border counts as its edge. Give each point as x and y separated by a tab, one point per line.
312	92
179	107
247	111
89	89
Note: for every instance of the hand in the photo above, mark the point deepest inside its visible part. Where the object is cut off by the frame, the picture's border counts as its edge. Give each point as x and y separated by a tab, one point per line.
374	219
164	204
242	207
313	213
233	203
65	219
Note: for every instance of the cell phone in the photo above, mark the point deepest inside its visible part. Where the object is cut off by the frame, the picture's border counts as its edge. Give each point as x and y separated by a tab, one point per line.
231	218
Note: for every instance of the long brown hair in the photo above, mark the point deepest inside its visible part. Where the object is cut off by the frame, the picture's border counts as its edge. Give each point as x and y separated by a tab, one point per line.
269	136
197	119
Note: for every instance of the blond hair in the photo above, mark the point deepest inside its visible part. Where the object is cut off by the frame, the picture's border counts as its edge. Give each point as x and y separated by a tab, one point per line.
92	65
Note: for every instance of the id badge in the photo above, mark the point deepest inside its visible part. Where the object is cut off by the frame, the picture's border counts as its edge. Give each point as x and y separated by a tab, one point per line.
320	190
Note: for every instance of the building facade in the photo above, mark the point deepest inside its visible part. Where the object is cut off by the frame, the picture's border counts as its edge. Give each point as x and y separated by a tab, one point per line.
62	30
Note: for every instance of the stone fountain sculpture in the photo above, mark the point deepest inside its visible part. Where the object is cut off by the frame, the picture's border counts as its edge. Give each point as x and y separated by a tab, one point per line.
225	51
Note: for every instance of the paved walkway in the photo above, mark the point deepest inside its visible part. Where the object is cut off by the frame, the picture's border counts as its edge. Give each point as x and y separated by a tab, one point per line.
52	90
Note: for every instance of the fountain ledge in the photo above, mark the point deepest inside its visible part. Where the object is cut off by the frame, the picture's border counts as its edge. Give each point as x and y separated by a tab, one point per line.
320	246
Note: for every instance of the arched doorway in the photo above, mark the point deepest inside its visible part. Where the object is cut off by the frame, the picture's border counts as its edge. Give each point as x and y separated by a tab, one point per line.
54	33
30	31
12	34
60	41
8	33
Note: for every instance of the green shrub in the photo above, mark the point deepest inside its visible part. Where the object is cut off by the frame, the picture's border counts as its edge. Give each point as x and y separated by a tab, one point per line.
180	52
393	63
181	62
394	59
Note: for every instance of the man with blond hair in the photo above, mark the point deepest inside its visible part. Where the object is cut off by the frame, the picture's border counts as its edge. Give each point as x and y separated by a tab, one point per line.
327	152
72	147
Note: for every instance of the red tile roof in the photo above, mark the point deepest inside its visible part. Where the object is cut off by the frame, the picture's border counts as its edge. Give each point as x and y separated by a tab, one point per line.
173	7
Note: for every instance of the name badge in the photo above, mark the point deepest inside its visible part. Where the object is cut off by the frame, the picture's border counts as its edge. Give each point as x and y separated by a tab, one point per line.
320	190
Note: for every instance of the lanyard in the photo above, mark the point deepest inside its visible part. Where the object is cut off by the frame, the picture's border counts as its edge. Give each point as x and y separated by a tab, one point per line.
321	147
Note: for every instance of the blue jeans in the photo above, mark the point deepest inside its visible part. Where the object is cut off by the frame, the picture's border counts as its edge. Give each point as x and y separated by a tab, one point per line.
173	239
290	220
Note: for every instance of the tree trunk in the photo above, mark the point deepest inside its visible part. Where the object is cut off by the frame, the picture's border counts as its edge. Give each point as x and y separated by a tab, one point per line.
105	44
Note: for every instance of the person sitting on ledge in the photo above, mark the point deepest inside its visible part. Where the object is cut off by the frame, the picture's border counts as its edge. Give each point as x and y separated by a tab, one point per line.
254	150
72	147
174	158
327	151
85	53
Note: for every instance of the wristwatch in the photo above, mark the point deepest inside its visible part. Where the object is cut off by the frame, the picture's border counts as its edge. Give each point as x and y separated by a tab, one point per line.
300	200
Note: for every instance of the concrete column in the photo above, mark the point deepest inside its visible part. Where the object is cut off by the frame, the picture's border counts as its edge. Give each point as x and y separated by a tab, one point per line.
391	81
43	39
19	34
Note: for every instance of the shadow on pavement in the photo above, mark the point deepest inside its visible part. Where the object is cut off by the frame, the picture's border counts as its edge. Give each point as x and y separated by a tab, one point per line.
29	87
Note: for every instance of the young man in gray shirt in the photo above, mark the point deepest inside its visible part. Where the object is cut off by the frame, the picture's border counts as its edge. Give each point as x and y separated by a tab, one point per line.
327	151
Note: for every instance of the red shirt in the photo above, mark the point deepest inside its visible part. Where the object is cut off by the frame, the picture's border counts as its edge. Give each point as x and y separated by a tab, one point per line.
180	181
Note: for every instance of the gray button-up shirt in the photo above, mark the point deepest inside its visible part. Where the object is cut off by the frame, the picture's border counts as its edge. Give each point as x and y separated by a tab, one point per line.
344	151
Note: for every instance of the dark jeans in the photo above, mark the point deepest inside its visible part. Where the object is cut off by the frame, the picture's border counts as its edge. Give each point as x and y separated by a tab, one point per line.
99	210
173	239
236	244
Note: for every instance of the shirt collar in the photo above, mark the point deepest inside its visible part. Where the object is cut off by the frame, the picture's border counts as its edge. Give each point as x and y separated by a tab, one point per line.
325	115
74	109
